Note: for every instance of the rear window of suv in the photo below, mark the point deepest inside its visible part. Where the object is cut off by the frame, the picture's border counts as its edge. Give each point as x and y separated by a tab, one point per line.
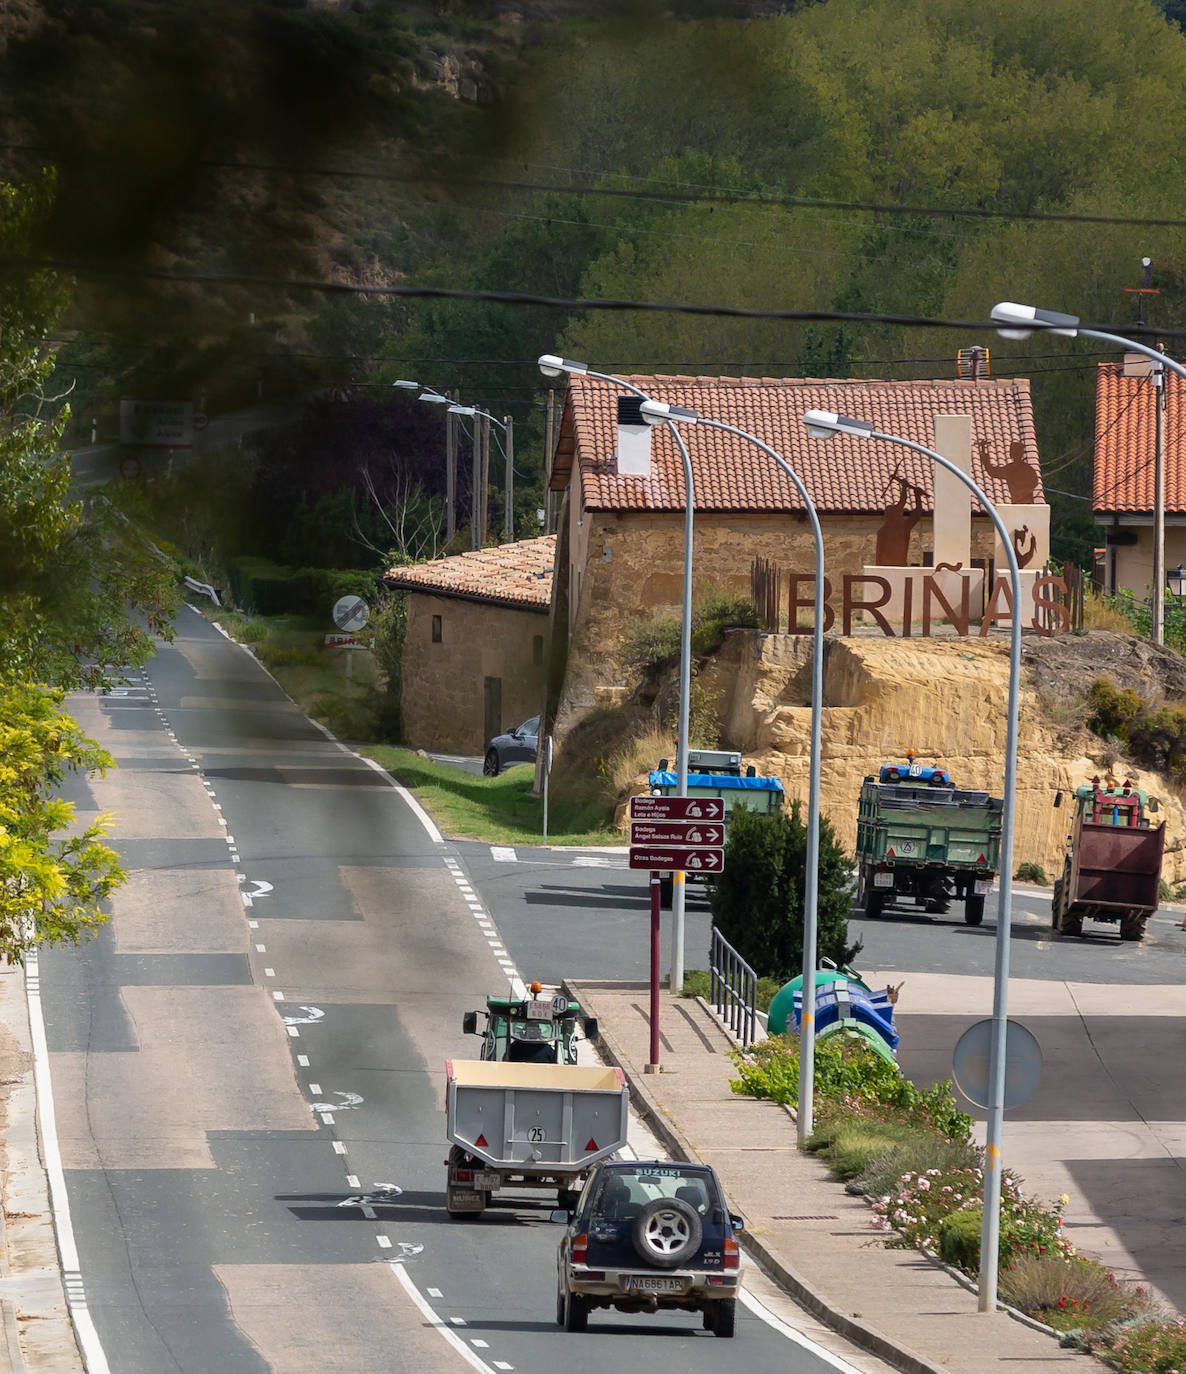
620	1194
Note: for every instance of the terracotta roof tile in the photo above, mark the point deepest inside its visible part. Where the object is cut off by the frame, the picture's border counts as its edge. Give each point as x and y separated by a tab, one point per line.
511	574
843	475
1125	437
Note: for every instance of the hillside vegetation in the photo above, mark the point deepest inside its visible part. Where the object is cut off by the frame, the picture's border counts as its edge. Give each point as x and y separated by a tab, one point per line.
874	156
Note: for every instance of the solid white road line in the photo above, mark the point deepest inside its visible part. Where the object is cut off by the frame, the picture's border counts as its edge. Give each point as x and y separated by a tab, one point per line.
759	1310
475	1361
88	1338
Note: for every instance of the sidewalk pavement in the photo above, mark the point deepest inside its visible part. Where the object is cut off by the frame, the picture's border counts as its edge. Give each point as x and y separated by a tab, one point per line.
814	1239
35	1327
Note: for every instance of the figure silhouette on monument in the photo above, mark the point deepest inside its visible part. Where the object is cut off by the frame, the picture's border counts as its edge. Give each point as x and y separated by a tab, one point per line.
1025	545
1016	473
893	538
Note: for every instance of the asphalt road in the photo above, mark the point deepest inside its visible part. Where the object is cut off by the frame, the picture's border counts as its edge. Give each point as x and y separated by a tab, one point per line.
248	1063
1107	1122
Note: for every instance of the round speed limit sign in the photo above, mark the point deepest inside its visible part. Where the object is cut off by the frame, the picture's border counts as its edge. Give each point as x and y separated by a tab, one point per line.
351	613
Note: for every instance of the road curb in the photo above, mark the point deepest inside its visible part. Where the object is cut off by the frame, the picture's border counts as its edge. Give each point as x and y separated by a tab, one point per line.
859	1333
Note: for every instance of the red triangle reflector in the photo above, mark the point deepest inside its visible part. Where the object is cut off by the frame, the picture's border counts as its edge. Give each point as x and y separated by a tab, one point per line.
481	1140
591	1144
982	860
890	854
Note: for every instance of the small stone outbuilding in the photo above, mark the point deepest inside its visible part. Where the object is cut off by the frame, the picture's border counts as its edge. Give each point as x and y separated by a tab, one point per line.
474	657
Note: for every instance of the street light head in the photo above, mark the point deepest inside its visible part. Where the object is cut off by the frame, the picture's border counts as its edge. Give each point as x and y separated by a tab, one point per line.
659	413
435	399
462	410
822	424
1024	317
552	365
407	386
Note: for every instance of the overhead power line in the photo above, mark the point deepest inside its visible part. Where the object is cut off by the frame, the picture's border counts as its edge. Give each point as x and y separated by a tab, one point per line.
675	196
570	303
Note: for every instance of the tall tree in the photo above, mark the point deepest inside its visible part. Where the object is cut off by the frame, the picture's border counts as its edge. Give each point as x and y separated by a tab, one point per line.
81	596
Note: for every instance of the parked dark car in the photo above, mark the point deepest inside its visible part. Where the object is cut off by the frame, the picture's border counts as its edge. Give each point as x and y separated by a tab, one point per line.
519	745
650	1235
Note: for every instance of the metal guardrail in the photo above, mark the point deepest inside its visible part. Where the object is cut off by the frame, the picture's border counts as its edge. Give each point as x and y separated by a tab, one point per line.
734	988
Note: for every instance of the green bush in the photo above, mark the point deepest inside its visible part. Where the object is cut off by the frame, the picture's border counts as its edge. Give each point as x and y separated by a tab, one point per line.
650	644
252	633
757	901
698	983
266	588
1113	709
959	1240
851	1140
1030	872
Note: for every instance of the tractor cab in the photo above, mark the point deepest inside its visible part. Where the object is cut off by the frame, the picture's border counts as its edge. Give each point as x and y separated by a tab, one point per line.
541	1028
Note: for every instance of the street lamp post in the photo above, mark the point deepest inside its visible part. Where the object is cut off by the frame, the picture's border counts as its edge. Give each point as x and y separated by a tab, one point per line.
657	412
552	366
1019	321
823	424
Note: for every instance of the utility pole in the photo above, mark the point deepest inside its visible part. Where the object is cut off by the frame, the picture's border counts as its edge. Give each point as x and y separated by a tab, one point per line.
476	489
1158	626
485	489
508	523
1157	592
450	475
549	441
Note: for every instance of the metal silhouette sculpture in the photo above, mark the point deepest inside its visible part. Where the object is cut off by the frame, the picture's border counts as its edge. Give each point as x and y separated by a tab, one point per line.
1025	545
893	538
1016	473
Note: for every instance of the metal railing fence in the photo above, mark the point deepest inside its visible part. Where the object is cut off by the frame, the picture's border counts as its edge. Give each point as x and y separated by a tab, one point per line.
734	989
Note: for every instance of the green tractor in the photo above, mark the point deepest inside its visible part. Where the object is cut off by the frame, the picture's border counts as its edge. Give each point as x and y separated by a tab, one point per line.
543	1027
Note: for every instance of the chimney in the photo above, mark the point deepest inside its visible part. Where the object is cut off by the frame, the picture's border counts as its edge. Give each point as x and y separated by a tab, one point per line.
634	439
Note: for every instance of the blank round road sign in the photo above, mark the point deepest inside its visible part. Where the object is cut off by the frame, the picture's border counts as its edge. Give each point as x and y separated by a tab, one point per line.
351	613
1023	1063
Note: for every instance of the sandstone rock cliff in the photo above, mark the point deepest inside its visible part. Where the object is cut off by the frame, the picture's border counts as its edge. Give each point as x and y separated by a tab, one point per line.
944	698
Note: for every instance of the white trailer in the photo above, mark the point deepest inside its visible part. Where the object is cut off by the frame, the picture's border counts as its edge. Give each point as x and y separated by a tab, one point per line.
528	1126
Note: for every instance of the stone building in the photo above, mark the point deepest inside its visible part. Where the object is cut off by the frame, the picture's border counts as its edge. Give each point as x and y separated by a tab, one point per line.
1122	497
620	540
475	648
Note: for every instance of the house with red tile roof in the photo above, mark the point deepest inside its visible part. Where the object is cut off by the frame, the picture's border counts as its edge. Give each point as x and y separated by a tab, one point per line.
1122	492
620	538
474	654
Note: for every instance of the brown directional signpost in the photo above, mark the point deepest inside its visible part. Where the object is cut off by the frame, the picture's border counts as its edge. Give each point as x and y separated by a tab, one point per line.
670	835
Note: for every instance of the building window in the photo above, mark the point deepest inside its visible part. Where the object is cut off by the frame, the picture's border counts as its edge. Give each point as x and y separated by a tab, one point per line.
436	629
537	650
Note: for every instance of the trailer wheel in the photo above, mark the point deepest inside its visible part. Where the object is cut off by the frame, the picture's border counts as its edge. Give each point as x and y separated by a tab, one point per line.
871	899
974	908
1055	903
1132	927
666	891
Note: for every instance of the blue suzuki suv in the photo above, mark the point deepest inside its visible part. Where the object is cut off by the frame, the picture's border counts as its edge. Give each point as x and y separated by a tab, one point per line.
646	1236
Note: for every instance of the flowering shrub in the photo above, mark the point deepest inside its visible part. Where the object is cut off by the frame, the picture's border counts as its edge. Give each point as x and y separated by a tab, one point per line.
923	1202
1153	1347
846	1068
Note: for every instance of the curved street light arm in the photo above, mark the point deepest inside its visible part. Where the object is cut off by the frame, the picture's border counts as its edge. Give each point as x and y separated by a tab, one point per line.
547	362
805	1123
991	1219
